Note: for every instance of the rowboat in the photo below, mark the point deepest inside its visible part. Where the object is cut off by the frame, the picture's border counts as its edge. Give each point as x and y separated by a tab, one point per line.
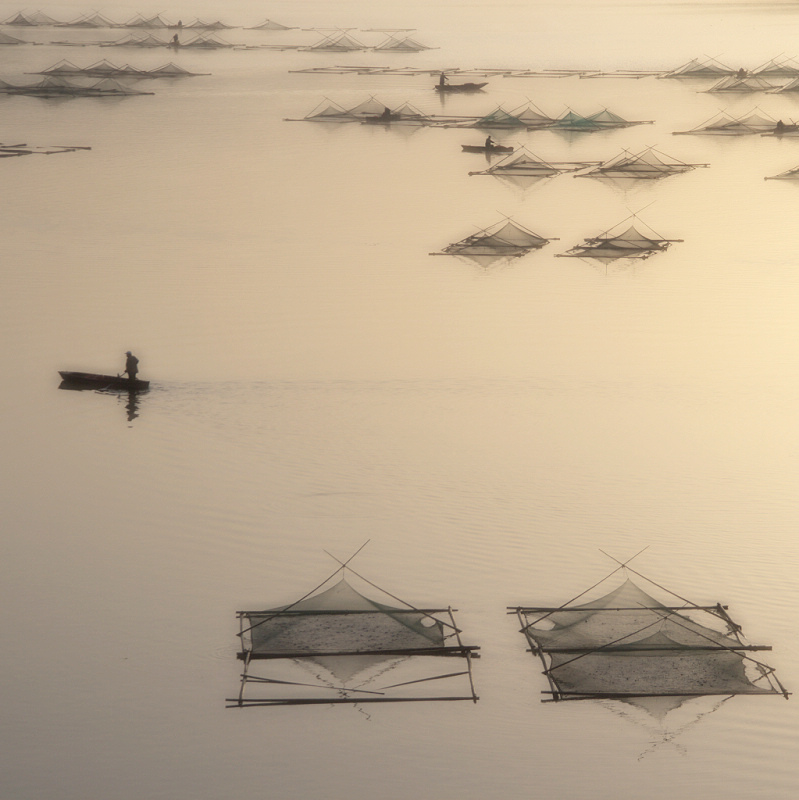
481	148
460	87
89	380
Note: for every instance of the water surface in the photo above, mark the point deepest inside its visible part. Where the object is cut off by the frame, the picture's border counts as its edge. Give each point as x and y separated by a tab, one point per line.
319	381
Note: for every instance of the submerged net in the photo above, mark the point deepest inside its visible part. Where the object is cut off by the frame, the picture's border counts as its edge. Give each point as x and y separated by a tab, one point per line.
627	645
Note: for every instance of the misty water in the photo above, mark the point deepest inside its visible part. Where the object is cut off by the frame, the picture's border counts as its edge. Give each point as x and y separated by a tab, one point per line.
319	380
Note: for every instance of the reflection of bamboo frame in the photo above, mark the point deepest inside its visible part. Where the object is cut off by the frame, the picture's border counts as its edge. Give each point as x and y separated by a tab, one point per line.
284	661
703	644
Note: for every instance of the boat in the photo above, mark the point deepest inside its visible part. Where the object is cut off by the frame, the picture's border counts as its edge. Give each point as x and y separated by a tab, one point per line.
481	148
89	380
460	87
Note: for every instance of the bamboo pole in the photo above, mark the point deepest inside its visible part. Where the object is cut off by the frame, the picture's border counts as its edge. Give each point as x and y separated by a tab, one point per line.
577	597
392	596
537	609
468	655
658	621
537	650
344	612
594	695
342	700
647	649
343	565
255	679
415	651
710	639
425	680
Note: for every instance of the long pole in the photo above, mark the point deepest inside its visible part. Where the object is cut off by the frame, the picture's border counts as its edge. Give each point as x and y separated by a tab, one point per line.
277	613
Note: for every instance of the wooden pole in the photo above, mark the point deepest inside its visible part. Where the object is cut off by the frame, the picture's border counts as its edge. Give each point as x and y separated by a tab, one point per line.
654	649
392	596
415	651
341	700
537	650
424	680
343	565
254	679
467	653
537	609
342	612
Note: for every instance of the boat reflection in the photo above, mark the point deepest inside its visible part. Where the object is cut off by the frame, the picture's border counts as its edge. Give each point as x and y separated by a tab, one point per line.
130	396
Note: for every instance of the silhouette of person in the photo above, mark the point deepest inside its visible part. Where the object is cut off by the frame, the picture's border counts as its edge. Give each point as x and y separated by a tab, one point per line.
442	79
741	73
780	126
489	143
131	366
386	113
175	40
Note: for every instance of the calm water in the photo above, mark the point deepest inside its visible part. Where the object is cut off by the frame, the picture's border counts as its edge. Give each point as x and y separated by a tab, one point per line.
320	381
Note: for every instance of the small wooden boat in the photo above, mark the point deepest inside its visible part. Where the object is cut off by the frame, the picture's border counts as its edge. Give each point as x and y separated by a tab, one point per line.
89	380
481	148
460	87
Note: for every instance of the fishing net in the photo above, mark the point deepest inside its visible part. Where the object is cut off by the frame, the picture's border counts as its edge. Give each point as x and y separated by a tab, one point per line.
342	630
339	646
504	240
499	118
627	645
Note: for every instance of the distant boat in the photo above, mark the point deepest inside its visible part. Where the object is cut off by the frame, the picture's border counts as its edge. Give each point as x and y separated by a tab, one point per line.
460	87
481	148
89	380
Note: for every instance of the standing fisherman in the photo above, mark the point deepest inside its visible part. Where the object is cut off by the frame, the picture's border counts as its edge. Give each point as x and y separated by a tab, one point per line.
131	366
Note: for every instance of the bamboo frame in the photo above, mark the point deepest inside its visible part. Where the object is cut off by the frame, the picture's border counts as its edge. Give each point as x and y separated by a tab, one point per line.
663	613
249	620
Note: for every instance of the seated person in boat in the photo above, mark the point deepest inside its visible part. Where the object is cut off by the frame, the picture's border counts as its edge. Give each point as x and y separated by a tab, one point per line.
489	143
